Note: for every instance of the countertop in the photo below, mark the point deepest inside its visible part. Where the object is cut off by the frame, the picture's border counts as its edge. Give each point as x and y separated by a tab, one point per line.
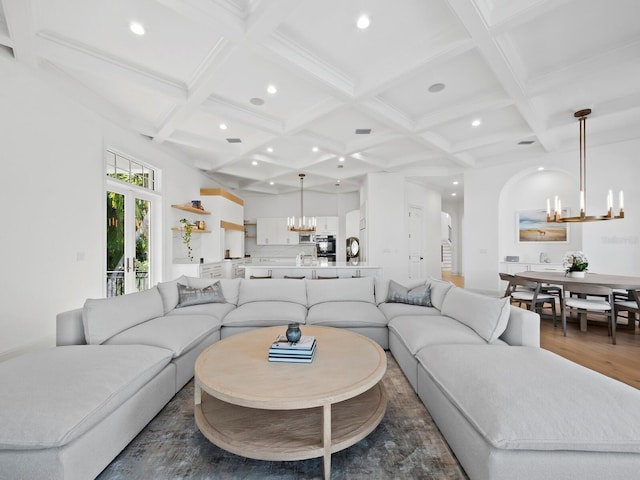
292	265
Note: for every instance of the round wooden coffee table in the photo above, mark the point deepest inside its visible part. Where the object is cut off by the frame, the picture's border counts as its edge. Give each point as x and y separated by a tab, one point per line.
290	411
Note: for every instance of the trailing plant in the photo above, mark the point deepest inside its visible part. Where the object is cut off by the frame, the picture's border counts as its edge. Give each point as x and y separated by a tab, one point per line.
186	236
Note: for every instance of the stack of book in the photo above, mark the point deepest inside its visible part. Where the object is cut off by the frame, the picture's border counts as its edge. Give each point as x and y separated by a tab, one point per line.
301	352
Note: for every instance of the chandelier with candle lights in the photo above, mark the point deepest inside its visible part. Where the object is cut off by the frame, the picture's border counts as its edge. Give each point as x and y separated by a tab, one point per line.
555	215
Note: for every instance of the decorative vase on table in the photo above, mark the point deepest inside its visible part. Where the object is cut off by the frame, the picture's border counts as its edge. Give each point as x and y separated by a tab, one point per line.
293	332
577	274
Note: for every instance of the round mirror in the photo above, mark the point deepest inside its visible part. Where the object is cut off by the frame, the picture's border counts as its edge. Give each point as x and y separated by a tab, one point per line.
353	247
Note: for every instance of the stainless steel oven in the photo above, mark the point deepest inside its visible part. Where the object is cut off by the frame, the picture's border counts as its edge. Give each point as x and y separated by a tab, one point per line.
326	247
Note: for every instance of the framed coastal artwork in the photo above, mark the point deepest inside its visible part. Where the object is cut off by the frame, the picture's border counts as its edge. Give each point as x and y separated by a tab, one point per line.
533	227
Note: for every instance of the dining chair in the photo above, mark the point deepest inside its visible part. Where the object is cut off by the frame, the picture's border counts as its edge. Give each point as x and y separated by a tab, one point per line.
507	277
590	298
294	277
630	304
528	293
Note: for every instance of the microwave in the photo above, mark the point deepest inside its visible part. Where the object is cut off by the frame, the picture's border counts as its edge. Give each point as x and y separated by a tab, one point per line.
306	238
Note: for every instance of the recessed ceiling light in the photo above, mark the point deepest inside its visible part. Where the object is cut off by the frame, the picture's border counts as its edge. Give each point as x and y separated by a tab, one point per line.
341	159
272	183
254	163
272	89
437	87
363	21
476	123
454	194
256	101
269	149
223	126
456	182
315	149
540	169
136	28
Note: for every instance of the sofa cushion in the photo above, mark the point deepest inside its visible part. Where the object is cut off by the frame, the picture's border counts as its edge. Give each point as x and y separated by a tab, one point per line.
264	314
346	314
169	292
278	289
392	310
104	317
527	398
53	396
438	290
419	332
340	290
381	286
488	316
419	295
230	286
178	333
196	296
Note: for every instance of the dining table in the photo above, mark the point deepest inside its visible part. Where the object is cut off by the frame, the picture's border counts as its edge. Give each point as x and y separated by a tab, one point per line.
619	282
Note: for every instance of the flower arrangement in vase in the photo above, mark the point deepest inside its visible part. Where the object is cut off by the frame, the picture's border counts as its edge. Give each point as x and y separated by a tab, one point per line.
575	264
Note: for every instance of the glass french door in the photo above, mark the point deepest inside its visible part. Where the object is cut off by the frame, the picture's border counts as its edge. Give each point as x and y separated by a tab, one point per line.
128	241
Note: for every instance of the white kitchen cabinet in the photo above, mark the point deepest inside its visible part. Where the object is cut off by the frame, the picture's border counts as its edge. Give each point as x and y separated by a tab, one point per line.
274	231
327	225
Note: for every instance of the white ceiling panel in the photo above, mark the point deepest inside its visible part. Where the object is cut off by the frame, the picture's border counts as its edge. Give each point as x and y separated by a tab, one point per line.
104	27
521	66
464	77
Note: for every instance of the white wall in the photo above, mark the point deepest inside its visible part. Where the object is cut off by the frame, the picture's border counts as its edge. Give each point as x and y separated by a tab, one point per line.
52	203
614	246
386	219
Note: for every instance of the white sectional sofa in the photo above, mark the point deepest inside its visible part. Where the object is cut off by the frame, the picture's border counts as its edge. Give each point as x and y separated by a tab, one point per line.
119	361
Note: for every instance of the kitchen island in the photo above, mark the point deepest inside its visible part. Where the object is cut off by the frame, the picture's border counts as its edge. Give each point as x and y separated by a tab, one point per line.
312	270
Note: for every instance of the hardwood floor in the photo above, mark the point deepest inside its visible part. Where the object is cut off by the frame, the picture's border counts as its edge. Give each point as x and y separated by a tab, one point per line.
593	348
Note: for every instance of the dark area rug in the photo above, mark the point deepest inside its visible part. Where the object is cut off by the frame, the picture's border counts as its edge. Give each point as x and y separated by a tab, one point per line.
406	445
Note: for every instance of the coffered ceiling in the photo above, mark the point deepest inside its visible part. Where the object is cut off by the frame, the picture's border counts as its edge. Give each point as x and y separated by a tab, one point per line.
414	81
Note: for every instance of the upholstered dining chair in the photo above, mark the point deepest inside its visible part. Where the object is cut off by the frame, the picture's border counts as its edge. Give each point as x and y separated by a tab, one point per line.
630	304
590	298
528	293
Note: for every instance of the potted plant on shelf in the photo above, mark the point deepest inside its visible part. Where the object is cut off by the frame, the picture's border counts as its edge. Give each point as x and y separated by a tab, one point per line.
186	236
575	264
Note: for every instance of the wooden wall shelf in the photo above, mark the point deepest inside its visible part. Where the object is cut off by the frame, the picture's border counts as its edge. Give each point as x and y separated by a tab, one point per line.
189	208
195	230
231	226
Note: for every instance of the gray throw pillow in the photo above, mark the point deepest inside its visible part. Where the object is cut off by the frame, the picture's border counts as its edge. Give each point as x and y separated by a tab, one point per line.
420	295
195	296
